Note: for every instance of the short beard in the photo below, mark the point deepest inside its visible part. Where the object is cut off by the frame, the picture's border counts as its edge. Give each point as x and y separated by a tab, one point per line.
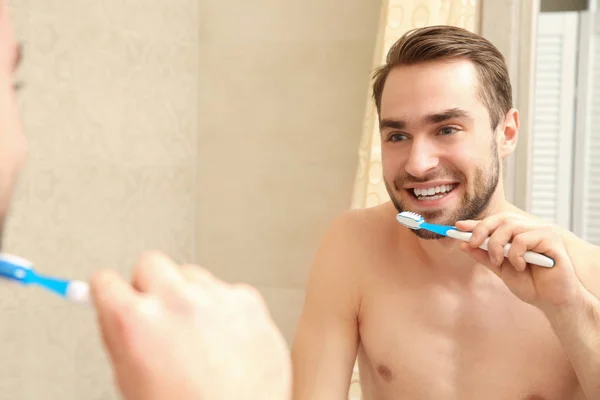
472	207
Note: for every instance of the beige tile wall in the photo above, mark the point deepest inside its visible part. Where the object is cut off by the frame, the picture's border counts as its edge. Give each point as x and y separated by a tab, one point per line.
283	90
219	131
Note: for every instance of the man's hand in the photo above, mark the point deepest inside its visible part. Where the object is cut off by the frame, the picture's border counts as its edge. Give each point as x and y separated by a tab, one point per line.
545	288
178	333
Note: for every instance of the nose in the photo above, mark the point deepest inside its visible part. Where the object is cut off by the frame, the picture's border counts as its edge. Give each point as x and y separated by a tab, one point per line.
422	158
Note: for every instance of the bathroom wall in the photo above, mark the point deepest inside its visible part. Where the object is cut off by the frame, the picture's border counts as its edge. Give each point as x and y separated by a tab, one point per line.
283	91
110	108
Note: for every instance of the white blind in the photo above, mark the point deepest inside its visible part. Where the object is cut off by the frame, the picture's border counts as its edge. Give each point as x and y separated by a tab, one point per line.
586	175
553	124
592	159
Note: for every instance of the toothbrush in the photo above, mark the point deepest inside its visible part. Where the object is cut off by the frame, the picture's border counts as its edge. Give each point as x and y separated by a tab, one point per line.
416	221
20	270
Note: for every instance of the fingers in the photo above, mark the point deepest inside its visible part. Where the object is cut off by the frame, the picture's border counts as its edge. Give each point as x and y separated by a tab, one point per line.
251	295
114	299
195	274
498	240
466	225
483	229
538	240
482	257
156	273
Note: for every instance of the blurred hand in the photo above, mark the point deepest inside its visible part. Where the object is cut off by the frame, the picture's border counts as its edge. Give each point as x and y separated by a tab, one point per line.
178	333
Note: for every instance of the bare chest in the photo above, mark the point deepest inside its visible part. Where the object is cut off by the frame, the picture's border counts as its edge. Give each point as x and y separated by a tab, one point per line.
426	341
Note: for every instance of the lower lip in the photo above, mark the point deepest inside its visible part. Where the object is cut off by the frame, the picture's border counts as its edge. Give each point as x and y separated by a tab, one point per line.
433	203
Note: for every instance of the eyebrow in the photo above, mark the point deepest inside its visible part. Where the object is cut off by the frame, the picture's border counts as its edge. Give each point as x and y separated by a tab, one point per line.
429	119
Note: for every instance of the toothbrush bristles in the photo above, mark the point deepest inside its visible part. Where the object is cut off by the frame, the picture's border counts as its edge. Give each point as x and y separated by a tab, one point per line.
412	215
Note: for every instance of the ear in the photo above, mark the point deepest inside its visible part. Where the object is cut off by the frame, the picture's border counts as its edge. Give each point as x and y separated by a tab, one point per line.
507	137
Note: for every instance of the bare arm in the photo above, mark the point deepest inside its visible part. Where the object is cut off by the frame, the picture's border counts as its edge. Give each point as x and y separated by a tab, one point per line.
326	341
568	294
577	325
578	328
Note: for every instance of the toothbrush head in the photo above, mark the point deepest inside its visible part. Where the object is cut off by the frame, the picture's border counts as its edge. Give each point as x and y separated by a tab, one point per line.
410	219
14	268
78	291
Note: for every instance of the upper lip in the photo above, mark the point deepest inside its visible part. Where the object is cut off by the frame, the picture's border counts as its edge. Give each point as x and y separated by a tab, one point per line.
428	185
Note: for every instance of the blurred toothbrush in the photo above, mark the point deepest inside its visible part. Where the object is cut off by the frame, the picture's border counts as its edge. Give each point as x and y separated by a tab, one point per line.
20	270
416	221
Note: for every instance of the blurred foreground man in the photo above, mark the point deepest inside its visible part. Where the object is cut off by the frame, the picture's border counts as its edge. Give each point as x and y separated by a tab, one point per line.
174	332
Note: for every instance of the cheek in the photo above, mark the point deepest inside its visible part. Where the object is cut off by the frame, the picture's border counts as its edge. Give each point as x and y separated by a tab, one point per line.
392	163
470	154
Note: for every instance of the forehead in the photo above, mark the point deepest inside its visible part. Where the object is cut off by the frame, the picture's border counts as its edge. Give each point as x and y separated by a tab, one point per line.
416	90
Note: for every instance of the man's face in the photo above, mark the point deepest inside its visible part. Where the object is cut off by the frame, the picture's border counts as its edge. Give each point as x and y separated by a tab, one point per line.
12	141
440	156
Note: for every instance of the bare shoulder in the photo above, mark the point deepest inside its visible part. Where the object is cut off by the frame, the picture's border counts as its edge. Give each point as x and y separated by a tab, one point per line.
369	220
359	229
348	244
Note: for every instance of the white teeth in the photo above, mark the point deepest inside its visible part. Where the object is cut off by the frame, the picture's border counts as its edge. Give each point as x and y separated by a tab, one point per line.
430	192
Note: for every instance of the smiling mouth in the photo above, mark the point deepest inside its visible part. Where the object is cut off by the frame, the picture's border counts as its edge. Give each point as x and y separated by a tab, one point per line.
433	193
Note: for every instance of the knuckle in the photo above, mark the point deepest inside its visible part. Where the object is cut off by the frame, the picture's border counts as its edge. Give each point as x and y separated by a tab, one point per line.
519	242
190	267
149	256
549	227
198	271
192	271
480	231
189	301
145	260
509	224
250	295
99	277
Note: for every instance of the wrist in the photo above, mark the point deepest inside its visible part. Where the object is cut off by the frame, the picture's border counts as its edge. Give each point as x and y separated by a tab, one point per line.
581	304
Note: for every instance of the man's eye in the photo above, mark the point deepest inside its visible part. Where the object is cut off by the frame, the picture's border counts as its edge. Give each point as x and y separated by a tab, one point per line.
17	86
448	130
397	137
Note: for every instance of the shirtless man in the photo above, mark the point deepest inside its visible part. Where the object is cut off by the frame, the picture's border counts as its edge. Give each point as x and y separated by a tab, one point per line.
431	317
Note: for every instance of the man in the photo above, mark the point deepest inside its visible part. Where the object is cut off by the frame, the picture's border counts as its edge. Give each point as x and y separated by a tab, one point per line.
431	317
175	332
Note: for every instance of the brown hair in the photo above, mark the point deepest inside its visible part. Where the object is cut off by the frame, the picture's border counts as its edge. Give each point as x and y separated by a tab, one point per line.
450	43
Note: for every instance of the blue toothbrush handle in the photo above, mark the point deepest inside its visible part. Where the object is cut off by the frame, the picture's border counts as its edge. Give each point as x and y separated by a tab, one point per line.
21	271
530	257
